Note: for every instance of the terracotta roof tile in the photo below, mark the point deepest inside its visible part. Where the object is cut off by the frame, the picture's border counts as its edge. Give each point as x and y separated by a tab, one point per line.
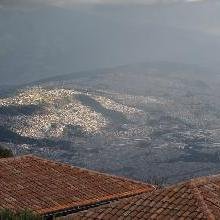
194	199
44	186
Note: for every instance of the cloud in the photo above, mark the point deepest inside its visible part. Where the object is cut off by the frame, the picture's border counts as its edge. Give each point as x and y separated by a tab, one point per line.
146	2
97	2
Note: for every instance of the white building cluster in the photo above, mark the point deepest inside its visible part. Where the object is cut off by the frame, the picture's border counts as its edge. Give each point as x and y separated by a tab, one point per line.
59	109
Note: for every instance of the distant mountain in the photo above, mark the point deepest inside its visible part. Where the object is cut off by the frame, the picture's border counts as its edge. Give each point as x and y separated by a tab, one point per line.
143	120
41	42
142	78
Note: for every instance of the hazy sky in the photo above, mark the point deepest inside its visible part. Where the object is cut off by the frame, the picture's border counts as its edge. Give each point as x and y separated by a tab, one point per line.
40	38
68	2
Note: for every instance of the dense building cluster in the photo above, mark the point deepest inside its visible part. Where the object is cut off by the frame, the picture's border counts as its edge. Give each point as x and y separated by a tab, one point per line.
57	109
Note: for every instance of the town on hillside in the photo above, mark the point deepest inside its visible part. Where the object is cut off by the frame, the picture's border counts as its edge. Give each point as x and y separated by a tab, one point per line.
109	109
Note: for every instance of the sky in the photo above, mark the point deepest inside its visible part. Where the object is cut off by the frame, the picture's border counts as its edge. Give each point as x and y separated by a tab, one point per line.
94	1
41	38
68	3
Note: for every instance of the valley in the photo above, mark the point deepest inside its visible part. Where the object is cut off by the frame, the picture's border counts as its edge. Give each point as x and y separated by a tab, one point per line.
151	121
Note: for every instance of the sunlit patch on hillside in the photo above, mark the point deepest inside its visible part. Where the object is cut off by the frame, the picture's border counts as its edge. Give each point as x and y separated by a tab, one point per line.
59	109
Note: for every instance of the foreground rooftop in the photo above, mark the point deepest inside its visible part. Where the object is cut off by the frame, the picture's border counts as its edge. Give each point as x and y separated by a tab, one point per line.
49	187
70	193
194	199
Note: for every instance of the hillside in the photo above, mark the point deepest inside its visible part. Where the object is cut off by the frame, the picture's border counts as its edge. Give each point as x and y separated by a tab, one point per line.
145	121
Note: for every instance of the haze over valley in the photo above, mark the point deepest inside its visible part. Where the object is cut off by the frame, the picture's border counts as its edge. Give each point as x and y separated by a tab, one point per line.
157	120
39	39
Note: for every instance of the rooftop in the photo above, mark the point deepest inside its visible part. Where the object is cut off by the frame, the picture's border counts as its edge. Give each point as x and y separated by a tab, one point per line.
46	187
194	199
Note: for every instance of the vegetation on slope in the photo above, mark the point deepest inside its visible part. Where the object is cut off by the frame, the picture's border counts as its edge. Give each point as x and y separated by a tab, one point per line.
4	152
23	215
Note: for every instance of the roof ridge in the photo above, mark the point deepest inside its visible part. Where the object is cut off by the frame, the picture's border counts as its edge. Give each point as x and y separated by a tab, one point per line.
92	202
57	198
193	185
197	180
92	171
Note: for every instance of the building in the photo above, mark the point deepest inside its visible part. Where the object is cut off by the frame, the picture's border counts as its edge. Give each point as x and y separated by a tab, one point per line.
63	192
192	200
54	189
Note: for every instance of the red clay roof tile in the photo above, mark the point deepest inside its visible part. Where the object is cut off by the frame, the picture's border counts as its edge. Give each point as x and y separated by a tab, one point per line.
195	199
44	186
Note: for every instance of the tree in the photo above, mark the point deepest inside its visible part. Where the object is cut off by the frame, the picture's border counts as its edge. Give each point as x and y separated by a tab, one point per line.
5	152
6	214
158	181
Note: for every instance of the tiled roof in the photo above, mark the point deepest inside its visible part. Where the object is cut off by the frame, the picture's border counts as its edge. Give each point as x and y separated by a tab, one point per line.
44	186
195	199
